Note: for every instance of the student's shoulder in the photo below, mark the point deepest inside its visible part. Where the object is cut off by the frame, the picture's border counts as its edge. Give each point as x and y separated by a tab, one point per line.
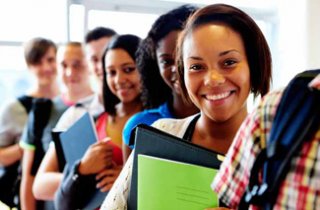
146	117
273	96
269	103
59	105
12	106
173	126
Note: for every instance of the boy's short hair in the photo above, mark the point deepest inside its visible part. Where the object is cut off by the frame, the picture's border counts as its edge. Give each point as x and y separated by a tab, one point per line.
36	48
98	33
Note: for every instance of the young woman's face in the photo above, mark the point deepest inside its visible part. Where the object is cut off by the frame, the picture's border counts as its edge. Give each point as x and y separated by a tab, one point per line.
216	71
166	60
46	70
122	76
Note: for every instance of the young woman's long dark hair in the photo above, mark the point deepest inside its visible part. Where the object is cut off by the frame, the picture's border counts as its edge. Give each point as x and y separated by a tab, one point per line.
130	44
155	91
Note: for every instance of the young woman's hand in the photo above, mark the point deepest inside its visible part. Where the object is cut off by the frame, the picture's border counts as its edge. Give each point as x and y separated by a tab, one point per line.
107	177
97	158
315	83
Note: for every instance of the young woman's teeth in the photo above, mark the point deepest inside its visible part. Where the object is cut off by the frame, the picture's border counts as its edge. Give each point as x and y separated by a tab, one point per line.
218	96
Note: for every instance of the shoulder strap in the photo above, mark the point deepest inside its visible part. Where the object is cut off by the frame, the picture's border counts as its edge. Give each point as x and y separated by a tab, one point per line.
26	101
297	119
190	129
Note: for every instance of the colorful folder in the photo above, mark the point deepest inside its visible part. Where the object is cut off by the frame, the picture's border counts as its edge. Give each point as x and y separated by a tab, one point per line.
167	184
153	142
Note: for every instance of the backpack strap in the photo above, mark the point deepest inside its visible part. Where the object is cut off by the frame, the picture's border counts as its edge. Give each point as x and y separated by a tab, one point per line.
26	102
297	119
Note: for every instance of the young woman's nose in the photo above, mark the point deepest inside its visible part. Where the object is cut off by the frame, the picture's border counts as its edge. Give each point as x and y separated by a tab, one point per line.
214	78
174	71
119	78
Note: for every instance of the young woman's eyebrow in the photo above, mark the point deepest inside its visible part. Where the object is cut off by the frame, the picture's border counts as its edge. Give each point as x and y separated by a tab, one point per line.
228	51
195	58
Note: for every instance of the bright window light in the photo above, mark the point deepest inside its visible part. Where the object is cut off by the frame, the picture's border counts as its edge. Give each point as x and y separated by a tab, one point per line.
12	58
23	20
122	22
76	22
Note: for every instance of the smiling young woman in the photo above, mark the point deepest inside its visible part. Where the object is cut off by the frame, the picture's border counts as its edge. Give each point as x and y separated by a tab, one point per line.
222	56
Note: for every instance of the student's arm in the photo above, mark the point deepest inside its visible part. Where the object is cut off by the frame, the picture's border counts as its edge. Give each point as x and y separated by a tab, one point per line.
48	175
28	201
74	189
12	118
79	180
10	155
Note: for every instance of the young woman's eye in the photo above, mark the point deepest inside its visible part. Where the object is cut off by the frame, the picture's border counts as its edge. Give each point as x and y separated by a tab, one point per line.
167	62
195	67
129	69
111	73
229	62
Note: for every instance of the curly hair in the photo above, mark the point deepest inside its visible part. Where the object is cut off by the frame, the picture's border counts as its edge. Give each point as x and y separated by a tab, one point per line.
155	91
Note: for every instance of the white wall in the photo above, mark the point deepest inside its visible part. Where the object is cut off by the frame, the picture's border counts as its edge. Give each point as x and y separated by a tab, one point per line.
298	39
313	39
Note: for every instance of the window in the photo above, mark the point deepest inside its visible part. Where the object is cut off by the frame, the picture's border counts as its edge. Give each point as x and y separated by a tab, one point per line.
22	20
63	20
19	22
123	22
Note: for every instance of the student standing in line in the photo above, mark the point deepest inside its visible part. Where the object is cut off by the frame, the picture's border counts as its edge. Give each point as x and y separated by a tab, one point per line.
156	64
45	114
121	97
40	57
298	189
222	57
48	174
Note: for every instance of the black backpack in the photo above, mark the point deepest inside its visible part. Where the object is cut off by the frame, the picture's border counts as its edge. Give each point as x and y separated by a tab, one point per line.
297	119
10	179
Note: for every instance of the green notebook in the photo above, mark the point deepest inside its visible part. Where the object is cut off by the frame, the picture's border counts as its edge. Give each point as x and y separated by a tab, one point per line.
165	184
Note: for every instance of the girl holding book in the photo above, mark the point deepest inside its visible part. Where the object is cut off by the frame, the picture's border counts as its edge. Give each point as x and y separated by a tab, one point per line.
222	57
121	97
102	163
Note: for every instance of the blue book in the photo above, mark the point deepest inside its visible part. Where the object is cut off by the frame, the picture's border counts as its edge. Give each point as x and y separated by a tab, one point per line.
75	141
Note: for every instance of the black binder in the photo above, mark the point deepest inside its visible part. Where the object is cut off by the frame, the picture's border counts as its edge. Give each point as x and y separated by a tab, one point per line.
59	151
153	142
